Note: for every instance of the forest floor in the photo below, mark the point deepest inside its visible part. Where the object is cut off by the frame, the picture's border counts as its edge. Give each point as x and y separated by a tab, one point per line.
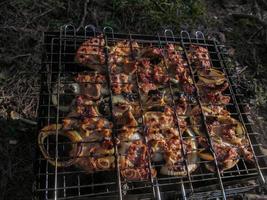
240	24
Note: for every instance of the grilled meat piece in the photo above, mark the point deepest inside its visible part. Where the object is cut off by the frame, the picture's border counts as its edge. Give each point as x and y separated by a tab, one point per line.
199	56
91	54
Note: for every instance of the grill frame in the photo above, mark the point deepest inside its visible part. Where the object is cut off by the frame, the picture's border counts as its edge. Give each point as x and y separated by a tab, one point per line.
57	42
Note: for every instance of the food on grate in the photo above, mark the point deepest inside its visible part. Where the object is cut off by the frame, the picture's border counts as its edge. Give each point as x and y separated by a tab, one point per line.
120	57
158	119
211	82
94	164
56	129
134	161
136	174
149	99
199	56
154	54
84	153
165	142
92	85
126	66
157	141
151	70
173	155
228	128
121	50
63	95
121	83
219	124
211	110
211	88
129	134
95	128
121	106
84	107
92	77
163	120
211	77
150	76
126	119
178	69
246	152
133	153
181	105
155	98
226	155
91	54
215	98
96	156
227	136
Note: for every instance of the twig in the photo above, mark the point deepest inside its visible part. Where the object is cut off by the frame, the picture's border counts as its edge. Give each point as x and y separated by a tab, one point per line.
84	14
22	55
242	70
254	34
42	14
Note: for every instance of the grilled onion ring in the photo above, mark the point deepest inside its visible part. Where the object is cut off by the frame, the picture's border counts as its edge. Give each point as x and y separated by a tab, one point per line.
53	129
91	164
105	163
134	174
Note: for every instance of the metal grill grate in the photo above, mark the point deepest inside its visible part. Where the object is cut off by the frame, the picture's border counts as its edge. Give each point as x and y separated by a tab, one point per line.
74	183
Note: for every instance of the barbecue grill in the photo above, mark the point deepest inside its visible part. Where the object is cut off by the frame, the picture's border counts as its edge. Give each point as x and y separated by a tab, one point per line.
73	183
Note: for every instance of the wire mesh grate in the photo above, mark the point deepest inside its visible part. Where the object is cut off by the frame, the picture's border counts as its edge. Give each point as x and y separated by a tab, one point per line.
59	68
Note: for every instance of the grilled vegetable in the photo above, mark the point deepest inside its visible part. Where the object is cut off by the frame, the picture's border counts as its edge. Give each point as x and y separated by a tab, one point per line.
205	155
212	76
56	129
